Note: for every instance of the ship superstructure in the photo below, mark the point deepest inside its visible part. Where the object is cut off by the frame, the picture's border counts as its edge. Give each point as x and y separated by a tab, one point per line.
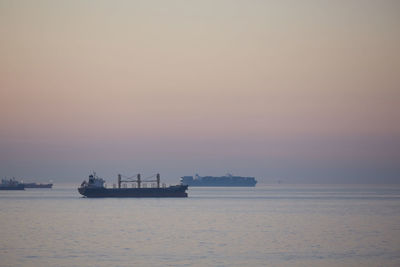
11	184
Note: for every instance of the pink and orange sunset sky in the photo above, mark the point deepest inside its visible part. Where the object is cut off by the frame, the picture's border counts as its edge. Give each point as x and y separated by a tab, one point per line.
298	91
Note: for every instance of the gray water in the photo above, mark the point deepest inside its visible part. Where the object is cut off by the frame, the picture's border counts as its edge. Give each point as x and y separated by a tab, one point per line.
263	226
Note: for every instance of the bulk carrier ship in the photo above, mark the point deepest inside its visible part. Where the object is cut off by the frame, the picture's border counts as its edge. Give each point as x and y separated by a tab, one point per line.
95	187
227	180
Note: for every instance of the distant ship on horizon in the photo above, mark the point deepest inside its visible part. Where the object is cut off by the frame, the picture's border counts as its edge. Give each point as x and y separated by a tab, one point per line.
227	180
95	187
37	185
11	184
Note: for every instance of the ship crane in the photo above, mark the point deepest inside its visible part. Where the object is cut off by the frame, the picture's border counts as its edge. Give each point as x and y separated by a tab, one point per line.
138	180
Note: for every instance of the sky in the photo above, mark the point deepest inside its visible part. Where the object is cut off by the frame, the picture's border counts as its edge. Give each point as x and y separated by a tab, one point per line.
296	91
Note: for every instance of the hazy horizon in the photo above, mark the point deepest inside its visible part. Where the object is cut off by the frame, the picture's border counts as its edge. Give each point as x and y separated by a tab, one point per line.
302	92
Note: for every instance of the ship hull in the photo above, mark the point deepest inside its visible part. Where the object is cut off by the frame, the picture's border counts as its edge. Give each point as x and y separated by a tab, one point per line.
19	187
173	191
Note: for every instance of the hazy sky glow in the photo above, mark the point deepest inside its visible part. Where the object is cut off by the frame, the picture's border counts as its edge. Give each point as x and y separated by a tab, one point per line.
302	91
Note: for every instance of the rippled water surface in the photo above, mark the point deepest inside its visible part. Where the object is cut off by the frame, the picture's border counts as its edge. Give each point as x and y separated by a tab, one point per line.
262	226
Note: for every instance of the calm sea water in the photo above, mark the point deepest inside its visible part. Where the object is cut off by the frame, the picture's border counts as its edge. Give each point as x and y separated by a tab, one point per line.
262	226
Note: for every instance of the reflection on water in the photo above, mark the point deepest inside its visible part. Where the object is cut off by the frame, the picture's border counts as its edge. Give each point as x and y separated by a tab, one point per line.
266	225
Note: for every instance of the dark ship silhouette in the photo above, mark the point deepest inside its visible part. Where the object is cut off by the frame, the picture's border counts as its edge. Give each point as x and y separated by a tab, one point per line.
95	187
11	184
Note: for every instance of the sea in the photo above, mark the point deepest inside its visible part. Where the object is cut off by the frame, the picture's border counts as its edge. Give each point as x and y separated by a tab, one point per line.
268	225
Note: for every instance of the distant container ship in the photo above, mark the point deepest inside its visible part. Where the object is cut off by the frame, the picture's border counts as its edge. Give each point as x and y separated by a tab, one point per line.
95	187
11	184
36	185
227	180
